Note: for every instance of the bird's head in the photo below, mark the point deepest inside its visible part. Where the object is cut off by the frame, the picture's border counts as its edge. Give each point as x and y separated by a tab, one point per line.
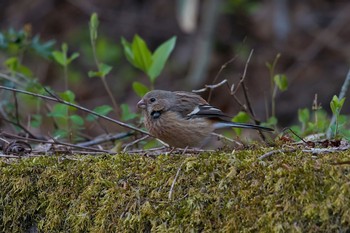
156	101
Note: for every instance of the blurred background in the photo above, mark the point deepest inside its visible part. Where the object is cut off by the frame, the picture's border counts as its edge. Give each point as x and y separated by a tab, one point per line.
312	38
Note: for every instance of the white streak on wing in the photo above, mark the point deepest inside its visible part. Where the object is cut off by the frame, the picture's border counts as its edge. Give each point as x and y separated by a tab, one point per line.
195	111
204	109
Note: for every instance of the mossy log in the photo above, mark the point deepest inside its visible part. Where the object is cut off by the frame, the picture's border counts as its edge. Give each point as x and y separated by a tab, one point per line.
211	192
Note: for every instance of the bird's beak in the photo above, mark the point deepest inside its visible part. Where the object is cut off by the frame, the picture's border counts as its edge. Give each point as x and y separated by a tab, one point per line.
141	104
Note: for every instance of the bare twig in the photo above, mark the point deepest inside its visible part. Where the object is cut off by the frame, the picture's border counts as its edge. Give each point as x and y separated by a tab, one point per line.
52	142
220	136
106	138
219	73
16	108
19	126
246	96
210	87
10	156
76	106
270	153
135	142
80	147
245	71
174	181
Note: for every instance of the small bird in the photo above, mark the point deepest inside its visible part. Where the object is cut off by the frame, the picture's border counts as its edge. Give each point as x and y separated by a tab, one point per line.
184	119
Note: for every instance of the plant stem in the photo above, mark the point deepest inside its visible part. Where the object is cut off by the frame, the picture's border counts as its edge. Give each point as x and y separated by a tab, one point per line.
342	93
109	92
273	102
103	78
65	71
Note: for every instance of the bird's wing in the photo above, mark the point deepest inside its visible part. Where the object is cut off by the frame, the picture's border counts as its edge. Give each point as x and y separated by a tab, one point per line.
208	111
186	102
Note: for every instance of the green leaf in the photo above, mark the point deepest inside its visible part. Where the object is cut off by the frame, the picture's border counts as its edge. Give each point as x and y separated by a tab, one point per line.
102	110
142	55
14	65
60	133
272	121
64	48
241	117
59	111
77	120
139	89
304	115
73	57
160	57
126	113
104	69
336	104
102	72
93	26
281	81
93	74
36	120
128	50
68	96
59	57
43	49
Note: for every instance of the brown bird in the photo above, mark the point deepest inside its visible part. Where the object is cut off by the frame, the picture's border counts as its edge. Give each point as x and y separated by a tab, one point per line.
184	119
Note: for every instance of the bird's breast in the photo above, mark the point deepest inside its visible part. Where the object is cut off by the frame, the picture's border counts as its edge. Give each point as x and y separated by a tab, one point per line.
177	131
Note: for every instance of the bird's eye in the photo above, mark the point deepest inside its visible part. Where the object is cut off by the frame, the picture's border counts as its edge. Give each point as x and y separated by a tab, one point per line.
152	100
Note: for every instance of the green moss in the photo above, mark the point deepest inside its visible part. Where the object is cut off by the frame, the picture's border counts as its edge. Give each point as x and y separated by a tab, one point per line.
213	192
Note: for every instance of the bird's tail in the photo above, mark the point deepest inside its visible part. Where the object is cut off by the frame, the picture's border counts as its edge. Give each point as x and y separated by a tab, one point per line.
227	124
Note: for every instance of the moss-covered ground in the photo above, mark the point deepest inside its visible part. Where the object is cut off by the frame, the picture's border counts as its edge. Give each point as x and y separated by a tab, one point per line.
210	192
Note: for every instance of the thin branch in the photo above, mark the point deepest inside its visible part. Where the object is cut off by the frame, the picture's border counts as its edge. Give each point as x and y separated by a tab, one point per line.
19	126
100	140
246	96
76	106
219	73
270	153
135	142
174	181
80	147
16	108
245	71
9	156
210	87
54	141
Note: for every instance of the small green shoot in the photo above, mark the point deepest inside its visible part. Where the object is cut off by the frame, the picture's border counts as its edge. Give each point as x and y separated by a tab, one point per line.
139	55
102	69
278	82
336	106
62	58
304	118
